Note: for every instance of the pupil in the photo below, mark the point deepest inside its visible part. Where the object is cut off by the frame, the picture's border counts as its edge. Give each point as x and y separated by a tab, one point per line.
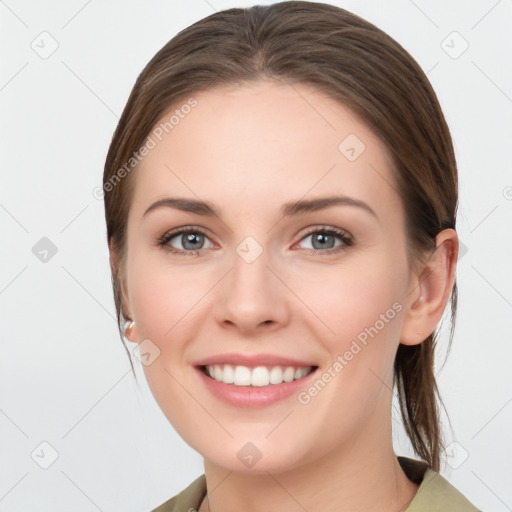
322	238
190	238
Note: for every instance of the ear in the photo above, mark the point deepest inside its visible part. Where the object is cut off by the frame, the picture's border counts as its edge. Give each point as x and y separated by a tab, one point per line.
117	271
430	290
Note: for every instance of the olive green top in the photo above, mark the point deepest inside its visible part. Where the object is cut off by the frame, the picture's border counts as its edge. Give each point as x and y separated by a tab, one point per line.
435	493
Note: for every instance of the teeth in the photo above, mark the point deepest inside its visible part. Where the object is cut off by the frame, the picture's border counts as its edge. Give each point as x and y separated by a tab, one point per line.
259	376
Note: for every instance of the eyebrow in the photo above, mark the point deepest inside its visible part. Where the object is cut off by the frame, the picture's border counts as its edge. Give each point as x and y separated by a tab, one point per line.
291	208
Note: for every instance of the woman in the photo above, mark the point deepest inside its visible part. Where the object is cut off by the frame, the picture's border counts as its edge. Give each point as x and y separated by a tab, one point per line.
280	197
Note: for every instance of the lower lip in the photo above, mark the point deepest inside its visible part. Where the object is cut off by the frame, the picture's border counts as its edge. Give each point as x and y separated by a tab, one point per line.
253	397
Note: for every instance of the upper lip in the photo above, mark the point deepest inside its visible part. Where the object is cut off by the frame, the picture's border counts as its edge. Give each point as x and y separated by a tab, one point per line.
252	361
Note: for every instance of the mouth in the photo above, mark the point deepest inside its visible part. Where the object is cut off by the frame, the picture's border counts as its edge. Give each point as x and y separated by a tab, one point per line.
259	376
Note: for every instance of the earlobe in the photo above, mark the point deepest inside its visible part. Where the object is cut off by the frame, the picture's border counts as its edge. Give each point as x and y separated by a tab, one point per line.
129	326
129	331
431	290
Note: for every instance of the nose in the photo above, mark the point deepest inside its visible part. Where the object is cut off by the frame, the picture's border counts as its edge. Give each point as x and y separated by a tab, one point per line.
251	298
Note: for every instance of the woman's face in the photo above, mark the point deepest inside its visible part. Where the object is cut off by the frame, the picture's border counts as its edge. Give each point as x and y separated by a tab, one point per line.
250	281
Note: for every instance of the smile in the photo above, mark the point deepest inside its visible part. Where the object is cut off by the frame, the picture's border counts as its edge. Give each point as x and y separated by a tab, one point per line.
255	387
258	376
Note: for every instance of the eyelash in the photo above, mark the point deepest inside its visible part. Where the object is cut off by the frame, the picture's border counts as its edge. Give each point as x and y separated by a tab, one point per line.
347	240
163	241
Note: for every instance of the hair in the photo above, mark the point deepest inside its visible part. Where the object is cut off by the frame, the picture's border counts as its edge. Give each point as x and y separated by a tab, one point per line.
357	64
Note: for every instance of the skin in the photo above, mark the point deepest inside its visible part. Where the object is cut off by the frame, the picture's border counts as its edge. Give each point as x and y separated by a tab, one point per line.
248	149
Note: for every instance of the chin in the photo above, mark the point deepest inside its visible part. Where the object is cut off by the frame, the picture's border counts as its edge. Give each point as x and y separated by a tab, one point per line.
247	458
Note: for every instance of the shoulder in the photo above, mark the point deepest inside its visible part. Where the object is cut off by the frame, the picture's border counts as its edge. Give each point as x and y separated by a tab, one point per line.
435	493
187	500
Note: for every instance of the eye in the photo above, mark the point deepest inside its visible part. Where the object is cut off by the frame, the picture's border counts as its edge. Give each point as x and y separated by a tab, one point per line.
189	241
327	240
185	242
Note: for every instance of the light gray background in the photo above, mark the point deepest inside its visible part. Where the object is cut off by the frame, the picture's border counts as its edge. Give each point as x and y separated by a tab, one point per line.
65	377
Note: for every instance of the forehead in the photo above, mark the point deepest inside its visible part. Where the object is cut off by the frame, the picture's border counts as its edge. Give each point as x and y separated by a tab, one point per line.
243	141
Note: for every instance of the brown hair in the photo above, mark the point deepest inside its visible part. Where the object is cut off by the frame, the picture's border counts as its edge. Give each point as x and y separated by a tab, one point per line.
353	62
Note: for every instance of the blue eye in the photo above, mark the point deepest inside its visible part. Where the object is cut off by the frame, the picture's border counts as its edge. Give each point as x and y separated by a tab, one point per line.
323	240
190	240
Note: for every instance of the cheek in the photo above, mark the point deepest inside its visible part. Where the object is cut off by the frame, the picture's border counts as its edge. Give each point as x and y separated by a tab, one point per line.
164	298
358	317
358	321
354	296
166	301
